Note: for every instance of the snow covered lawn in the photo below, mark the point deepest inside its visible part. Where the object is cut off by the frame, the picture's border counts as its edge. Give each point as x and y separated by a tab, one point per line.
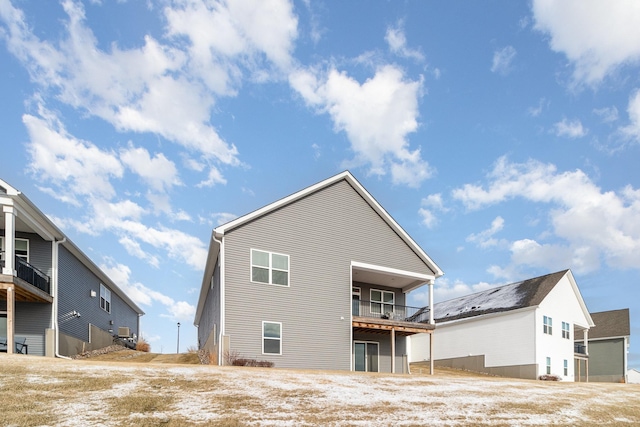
35	391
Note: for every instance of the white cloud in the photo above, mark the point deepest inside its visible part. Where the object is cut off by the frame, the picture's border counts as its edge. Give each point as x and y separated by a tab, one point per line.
377	117
80	166
536	111
597	37
431	204
485	238
133	248
632	130
158	171
145	296
570	129
215	177
445	289
502	60
588	224
607	114
397	42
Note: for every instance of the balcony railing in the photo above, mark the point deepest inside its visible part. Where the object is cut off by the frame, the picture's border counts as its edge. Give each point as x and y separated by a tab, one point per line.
381	310
579	348
31	274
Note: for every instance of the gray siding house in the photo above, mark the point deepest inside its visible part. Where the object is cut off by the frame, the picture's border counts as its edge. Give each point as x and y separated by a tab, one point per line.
608	345
54	301
315	280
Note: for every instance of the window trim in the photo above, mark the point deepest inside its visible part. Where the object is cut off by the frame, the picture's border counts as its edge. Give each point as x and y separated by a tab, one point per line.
547	327
103	297
270	268
264	322
566	368
548	366
382	303
2	254
566	333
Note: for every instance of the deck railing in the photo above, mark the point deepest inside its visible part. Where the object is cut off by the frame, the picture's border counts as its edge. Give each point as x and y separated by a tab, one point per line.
579	348
31	274
381	310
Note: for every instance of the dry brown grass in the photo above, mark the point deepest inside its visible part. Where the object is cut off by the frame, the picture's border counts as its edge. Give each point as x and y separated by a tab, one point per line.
121	391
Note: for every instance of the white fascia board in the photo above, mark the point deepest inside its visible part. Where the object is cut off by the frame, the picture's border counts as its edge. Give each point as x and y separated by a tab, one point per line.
212	258
583	306
605	338
392	271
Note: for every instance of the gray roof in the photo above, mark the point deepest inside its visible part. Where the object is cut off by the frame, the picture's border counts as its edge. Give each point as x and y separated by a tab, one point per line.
527	293
613	323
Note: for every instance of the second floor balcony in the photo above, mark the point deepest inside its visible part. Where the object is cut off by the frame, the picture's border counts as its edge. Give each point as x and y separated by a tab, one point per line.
388	311
31	275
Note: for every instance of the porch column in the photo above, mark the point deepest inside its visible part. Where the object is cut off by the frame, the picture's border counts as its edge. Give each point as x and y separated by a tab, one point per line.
9	240
431	322
431	353
11	314
393	350
586	350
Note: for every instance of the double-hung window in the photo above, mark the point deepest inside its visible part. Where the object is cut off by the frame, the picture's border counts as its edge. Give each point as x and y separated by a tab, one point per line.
565	330
566	367
269	267
547	325
271	338
548	366
105	298
20	246
382	301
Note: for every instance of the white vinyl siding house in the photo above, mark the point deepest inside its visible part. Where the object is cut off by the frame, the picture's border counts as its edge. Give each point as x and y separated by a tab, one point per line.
509	330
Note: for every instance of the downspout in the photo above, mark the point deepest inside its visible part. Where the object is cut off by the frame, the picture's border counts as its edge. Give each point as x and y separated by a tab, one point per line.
54	289
222	301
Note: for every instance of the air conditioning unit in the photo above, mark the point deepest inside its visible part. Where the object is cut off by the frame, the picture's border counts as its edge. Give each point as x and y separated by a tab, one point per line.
123	332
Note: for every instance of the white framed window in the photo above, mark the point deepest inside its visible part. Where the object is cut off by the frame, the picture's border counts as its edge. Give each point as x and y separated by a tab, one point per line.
547	325
548	366
566	330
269	267
21	248
271	337
382	301
566	367
105	298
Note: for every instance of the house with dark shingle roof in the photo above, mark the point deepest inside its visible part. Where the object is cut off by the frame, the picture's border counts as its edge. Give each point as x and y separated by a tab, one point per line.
608	344
522	330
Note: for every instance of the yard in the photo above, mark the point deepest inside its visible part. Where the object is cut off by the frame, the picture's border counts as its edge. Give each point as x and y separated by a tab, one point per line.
142	390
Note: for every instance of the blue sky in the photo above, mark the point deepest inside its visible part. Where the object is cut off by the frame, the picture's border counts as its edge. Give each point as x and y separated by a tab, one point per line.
503	136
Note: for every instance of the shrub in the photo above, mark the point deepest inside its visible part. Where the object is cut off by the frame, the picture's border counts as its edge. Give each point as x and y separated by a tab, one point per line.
230	356
550	377
143	345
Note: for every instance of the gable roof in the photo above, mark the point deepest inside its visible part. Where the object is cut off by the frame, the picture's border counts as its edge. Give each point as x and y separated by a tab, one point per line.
609	324
346	176
45	228
220	231
514	296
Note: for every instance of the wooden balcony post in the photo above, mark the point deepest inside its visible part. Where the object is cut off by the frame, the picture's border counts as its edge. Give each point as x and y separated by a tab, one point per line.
11	315
393	350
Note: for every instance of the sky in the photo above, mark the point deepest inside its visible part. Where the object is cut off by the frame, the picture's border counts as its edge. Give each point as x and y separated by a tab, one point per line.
503	136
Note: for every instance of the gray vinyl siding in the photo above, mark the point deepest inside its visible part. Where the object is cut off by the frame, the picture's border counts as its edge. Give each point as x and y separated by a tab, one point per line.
32	320
322	233
75	283
606	360
211	311
39	252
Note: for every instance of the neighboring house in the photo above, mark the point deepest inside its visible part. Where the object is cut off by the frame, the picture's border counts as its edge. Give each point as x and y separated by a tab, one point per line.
633	376
315	280
608	344
54	301
521	330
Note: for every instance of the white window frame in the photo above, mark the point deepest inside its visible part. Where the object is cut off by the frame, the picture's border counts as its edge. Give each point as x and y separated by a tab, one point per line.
566	368
270	268
264	322
547	325
26	258
548	366
566	330
105	295
382	303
